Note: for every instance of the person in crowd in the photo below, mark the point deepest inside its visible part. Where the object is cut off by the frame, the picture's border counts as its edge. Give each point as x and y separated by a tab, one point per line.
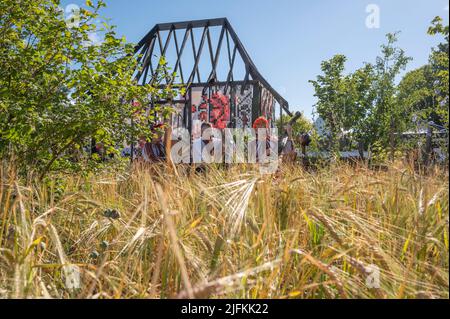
156	150
288	151
200	142
140	153
267	146
100	151
153	151
305	141
229	150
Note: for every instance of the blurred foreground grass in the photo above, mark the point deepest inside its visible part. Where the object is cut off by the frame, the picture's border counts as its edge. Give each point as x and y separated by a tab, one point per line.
228	233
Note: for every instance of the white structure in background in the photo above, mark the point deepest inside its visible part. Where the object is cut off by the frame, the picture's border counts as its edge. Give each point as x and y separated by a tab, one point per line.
319	125
322	131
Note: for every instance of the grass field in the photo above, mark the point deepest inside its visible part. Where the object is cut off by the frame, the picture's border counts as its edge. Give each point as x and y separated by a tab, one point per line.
228	233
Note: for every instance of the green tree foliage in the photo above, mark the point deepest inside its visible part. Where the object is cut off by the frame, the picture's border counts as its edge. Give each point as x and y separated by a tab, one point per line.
344	102
417	95
301	126
361	95
362	104
388	116
58	89
439	63
423	92
331	90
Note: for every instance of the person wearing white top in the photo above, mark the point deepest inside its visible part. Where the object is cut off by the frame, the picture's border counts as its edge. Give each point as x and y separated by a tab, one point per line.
199	144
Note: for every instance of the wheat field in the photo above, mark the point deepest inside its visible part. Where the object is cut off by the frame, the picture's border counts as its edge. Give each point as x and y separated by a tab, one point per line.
227	233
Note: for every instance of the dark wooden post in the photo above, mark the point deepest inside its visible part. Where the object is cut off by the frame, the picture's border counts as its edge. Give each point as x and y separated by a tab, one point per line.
281	119
392	139
304	159
361	150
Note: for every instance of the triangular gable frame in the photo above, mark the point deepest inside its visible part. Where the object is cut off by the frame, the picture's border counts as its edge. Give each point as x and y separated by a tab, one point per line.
153	41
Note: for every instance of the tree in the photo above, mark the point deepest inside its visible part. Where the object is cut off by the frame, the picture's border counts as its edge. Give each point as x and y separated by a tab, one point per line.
387	118
361	95
301	126
439	62
58	89
344	101
417	95
331	92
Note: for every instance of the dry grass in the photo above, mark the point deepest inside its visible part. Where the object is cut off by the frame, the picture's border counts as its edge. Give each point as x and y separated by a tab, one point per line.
227	233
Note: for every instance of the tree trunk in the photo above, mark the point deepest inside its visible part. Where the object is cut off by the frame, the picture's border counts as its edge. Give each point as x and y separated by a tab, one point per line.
392	139
361	150
428	146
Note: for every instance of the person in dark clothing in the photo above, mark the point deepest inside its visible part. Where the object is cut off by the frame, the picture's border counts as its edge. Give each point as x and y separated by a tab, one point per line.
288	151
155	151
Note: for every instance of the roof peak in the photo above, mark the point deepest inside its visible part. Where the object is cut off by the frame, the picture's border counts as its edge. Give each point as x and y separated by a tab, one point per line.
228	39
193	24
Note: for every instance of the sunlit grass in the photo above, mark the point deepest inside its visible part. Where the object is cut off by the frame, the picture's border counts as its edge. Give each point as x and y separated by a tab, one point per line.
228	233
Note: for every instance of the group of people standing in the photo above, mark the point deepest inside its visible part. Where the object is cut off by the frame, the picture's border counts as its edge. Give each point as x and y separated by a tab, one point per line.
154	150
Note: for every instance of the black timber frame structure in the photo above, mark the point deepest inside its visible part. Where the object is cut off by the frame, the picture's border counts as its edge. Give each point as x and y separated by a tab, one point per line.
147	48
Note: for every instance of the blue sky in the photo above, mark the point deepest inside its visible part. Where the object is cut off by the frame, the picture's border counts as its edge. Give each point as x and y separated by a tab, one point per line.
288	39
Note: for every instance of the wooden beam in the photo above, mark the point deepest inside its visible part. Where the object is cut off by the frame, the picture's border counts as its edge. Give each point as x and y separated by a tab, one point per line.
192	24
217	55
179	53
199	54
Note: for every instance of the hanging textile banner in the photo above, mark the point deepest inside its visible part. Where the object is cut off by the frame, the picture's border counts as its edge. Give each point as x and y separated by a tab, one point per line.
243	103
267	105
210	104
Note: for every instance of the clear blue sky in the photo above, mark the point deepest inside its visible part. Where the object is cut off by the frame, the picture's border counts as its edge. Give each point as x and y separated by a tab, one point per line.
288	39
